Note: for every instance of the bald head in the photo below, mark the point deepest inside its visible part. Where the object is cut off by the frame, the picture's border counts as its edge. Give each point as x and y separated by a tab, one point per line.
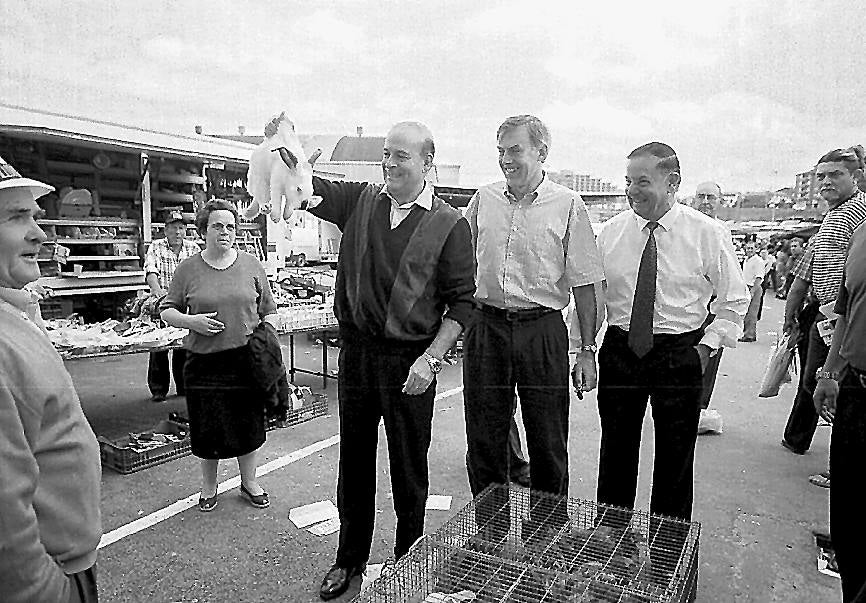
406	158
708	196
415	131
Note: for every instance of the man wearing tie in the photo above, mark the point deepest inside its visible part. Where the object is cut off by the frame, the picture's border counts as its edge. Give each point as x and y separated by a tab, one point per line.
663	262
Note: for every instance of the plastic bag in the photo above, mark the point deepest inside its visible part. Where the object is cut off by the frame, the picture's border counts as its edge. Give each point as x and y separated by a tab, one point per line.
777	367
710	421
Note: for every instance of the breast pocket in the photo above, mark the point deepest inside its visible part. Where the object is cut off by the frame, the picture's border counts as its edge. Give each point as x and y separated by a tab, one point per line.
547	250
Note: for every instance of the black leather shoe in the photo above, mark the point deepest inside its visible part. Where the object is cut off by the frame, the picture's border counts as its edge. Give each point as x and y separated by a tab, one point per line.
337	580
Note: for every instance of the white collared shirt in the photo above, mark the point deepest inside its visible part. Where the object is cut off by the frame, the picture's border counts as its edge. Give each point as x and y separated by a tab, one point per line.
753	268
400	211
696	261
531	253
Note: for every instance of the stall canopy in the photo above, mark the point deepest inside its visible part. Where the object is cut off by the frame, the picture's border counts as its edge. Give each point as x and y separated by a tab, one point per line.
35	124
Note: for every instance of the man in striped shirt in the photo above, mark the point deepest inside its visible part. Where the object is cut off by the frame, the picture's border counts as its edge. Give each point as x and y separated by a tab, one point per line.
837	174
161	261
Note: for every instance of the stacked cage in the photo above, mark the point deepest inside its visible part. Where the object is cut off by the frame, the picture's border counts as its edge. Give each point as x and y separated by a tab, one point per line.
517	545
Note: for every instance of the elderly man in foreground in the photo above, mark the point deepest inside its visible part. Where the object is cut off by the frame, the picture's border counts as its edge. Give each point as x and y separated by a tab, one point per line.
49	458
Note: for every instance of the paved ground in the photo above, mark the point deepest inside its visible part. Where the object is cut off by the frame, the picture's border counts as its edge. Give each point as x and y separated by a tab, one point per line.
752	497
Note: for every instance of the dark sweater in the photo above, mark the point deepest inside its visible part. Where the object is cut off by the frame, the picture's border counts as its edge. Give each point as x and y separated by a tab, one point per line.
379	266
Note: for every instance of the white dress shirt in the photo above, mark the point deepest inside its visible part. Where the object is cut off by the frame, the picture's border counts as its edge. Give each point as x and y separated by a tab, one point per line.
753	268
400	211
696	261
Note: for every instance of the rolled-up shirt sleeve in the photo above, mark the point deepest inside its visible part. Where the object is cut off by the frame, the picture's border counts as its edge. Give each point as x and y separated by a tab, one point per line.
456	273
583	265
731	296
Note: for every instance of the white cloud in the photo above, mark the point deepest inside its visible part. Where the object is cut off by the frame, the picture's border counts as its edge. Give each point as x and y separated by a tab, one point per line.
596	116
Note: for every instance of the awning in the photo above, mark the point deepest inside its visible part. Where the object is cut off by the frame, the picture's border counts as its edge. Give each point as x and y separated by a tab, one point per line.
31	124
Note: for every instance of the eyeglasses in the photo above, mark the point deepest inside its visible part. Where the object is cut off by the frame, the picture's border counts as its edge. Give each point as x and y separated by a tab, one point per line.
707	196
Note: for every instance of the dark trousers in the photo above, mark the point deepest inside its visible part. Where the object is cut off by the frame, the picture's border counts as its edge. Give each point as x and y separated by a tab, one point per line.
803	420
83	586
847	453
532	356
158	377
709	380
669	377
369	385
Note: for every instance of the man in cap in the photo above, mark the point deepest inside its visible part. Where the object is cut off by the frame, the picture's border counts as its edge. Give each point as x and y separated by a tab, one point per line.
161	261
49	499
663	262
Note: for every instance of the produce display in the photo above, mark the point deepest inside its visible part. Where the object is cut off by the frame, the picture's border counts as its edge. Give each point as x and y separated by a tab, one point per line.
298	317
72	338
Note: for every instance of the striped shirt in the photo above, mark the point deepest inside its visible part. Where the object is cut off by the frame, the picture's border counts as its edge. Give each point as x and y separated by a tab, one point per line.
160	259
826	255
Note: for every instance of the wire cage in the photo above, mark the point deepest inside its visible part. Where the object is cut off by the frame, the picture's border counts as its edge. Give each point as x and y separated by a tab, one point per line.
513	544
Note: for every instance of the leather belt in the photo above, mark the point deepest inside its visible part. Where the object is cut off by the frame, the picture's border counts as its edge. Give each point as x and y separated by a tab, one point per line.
521	315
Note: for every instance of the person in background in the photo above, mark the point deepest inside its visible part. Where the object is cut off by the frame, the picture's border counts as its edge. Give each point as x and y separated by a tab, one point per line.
795	245
840	397
162	259
221	295
403	295
753	275
664	262
769	266
708	197
837	173
783	257
534	249
50	470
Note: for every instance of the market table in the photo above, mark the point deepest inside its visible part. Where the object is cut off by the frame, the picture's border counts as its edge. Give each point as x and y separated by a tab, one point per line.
290	335
286	338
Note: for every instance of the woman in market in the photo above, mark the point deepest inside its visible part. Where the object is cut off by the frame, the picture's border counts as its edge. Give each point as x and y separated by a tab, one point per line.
221	295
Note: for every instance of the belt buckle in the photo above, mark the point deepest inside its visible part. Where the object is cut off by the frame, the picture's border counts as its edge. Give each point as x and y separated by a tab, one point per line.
512	315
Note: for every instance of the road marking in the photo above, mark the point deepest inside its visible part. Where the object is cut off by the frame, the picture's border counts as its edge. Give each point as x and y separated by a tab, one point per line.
142	523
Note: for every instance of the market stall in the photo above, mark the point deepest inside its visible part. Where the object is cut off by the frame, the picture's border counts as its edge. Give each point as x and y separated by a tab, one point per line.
114	184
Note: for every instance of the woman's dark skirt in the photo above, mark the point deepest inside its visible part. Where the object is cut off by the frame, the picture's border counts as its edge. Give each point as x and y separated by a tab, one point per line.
226	410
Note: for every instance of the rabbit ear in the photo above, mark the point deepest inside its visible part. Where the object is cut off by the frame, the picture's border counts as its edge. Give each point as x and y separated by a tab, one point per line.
288	157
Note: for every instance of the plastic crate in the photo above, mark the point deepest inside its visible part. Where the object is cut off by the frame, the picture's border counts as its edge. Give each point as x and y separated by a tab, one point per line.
117	454
512	544
314	405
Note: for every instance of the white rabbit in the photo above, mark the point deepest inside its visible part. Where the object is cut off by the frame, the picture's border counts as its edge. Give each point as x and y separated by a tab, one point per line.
279	171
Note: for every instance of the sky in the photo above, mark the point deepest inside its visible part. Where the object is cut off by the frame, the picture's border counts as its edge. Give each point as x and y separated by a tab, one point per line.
748	93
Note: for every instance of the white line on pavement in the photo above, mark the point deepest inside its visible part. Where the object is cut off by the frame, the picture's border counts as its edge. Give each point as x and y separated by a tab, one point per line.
142	523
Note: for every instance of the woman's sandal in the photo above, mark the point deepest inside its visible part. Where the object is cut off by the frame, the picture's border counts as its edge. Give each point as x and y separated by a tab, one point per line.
207	504
260	501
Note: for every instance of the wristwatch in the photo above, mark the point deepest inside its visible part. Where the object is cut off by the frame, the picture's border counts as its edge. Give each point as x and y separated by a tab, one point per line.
434	363
822	374
589	348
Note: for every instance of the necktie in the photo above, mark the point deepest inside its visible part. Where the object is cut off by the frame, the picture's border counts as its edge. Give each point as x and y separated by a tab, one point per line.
640	329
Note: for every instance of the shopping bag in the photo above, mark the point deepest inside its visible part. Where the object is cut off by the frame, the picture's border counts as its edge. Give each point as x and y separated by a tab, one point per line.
777	367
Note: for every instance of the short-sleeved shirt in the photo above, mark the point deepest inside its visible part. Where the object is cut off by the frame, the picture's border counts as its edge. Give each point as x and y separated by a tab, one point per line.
240	295
830	246
161	260
532	252
851	301
753	268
